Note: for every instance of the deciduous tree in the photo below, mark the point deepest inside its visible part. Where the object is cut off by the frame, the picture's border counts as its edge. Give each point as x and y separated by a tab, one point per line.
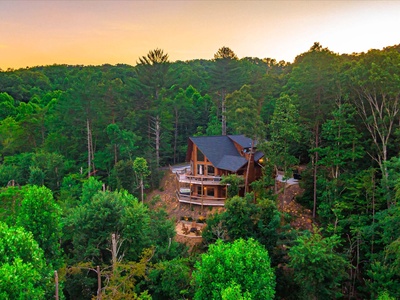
40	215
23	270
243	264
375	80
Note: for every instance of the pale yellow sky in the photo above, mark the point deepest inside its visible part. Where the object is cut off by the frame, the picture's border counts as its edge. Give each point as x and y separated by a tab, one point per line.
98	32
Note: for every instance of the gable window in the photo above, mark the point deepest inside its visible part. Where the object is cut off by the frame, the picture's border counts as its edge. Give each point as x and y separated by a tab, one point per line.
200	155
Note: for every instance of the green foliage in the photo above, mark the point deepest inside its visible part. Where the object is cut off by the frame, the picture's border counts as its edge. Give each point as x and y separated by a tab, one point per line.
122	176
7	106
225	53
123	142
374	84
239	221
341	147
44	113
234	292
170	280
40	215
50	166
142	171
284	130
91	224
161	235
317	268
385	296
36	177
123	276
384	271
141	168
10	203
215	229
245	219
244	264
338	155
71	191
233	183
12	136
382	279
89	228
90	188
243	114
23	270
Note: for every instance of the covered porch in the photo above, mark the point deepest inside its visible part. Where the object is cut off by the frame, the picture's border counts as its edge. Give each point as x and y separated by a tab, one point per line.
201	190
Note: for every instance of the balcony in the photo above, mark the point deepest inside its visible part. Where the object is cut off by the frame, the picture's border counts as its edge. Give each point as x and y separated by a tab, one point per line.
199	200
198	179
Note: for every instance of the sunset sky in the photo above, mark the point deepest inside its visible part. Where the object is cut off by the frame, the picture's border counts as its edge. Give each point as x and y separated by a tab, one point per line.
98	32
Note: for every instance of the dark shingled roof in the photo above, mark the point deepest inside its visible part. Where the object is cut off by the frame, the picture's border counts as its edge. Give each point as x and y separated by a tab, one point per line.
243	141
221	151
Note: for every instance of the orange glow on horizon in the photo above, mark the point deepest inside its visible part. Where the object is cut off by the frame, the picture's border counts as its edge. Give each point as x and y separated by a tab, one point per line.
111	32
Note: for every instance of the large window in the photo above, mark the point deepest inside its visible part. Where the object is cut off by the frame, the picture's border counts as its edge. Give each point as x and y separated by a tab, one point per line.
210	192
200	155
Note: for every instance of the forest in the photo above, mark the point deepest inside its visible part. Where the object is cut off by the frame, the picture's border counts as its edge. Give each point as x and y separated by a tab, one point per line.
79	143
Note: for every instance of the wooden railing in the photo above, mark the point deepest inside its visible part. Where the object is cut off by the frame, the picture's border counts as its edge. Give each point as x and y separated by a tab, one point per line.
199	179
200	200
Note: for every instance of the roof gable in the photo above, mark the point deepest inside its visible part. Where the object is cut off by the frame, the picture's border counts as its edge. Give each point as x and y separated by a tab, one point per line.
241	140
221	150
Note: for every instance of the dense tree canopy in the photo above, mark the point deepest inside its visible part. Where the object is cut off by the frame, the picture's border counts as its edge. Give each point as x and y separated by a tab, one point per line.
80	144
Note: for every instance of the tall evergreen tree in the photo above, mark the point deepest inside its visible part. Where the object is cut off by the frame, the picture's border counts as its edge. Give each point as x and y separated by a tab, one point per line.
313	80
226	77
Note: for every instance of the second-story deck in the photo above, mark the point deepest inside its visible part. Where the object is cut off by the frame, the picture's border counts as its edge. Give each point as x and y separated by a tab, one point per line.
199	179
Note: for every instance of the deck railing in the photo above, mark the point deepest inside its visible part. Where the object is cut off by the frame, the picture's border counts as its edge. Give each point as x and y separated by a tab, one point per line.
199	179
200	200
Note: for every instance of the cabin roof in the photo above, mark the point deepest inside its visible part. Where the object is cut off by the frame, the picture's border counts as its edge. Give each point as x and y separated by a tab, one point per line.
243	141
221	150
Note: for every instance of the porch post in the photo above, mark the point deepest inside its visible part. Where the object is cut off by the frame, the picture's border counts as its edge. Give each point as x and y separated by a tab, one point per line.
202	194
190	194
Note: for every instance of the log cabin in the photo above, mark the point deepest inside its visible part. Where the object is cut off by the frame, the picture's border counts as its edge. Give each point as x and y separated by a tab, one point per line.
210	158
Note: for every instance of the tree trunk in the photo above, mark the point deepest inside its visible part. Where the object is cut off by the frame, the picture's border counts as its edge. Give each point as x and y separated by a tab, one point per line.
141	188
315	167
155	129
175	135
115	154
98	283
88	146
158	141
223	111
373	214
114	251
246	185
56	283
379	116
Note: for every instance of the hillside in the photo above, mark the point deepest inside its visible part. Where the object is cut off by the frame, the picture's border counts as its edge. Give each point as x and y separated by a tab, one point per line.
301	218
